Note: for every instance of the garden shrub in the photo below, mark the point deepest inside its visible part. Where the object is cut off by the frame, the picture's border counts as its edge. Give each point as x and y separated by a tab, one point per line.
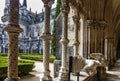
3	72
3	54
24	67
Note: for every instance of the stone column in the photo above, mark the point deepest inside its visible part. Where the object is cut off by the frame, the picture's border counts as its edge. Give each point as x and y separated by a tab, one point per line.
76	43
13	31
85	38
46	37
89	34
63	74
114	51
106	49
95	36
103	26
111	52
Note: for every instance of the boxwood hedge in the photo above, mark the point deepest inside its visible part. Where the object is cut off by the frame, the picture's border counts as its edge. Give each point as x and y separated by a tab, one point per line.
37	57
24	67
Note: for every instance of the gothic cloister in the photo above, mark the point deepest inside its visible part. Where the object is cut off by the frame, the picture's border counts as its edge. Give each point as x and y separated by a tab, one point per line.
96	30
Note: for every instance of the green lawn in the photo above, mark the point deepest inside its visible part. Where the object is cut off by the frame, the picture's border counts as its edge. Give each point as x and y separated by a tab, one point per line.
38	57
4	61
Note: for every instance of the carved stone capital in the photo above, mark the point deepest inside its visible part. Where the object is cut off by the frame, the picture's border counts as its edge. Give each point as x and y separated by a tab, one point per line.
46	36
89	23
65	8
103	24
13	28
96	23
64	41
76	19
76	43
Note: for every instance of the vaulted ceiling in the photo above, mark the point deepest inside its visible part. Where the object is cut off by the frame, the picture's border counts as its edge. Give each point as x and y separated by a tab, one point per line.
96	9
116	16
102	10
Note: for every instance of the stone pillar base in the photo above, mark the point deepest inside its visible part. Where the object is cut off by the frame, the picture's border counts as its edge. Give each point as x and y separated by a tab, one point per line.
12	79
45	77
63	75
57	64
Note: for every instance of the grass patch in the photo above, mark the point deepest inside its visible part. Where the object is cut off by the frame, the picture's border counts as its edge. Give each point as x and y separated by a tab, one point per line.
37	57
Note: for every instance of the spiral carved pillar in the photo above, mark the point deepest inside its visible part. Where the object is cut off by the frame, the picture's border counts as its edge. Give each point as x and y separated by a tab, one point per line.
76	43
13	31
63	74
46	37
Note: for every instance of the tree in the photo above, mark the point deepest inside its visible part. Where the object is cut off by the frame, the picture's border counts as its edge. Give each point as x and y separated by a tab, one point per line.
57	11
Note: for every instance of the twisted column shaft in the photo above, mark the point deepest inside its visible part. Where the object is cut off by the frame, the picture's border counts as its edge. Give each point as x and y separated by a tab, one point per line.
13	31
14	12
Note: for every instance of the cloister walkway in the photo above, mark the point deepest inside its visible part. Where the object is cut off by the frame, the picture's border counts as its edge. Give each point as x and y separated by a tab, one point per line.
114	73
36	71
35	74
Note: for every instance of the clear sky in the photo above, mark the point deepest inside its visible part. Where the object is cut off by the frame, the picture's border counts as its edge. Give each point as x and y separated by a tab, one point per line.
35	5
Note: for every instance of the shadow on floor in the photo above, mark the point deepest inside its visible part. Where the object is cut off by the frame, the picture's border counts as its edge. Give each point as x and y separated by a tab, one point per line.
30	78
114	73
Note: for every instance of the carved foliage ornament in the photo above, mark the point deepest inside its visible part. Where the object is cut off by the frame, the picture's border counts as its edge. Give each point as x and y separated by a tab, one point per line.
96	23
65	8
76	19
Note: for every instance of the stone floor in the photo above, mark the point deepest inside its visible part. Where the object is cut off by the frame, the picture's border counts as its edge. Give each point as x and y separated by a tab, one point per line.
35	74
114	73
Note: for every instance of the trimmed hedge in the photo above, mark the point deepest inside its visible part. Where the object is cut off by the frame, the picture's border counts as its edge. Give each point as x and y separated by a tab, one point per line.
3	54
24	67
36	57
